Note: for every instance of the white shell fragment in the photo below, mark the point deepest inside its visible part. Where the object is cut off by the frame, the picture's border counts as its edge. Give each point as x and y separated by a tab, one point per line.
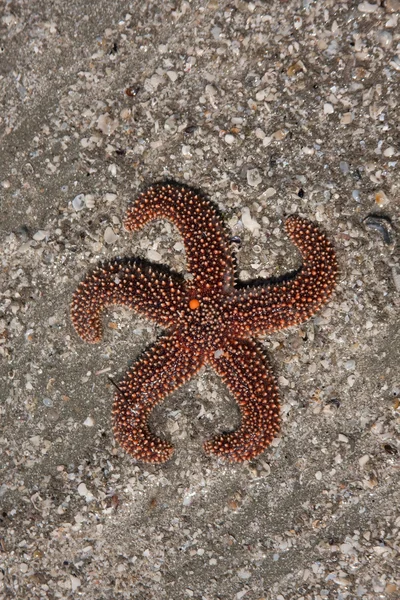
106	124
249	223
367	7
347	118
154	255
78	203
109	236
41	235
381	199
363	460
254	177
396	278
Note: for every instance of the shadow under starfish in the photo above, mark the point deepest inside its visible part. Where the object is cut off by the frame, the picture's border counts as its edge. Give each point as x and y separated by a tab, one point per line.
209	319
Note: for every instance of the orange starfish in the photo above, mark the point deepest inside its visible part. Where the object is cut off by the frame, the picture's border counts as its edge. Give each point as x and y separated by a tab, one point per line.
209	319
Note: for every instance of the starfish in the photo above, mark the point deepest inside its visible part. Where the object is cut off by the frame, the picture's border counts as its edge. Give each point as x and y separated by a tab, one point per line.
209	318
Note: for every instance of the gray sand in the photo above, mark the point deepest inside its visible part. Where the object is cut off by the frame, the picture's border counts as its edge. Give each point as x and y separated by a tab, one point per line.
271	108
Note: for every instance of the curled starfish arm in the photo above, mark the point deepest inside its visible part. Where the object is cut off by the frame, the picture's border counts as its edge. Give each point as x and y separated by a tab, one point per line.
204	235
148	289
157	373
266	308
247	374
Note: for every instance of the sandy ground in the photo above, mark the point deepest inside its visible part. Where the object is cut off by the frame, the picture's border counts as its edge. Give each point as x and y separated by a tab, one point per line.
271	108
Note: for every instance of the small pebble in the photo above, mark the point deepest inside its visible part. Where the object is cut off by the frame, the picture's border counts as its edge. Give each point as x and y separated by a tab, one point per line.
173	75
41	235
347	118
82	489
229	138
328	108
260	96
350	365
89	422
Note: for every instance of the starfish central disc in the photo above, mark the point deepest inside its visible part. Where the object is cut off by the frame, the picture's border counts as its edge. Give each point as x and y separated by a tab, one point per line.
221	334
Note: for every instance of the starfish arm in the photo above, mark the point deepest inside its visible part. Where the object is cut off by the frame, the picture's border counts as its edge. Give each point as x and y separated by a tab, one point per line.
247	374
267	308
148	289
158	372
204	235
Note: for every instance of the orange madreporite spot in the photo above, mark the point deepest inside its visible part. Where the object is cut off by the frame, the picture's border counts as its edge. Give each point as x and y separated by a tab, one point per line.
193	304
